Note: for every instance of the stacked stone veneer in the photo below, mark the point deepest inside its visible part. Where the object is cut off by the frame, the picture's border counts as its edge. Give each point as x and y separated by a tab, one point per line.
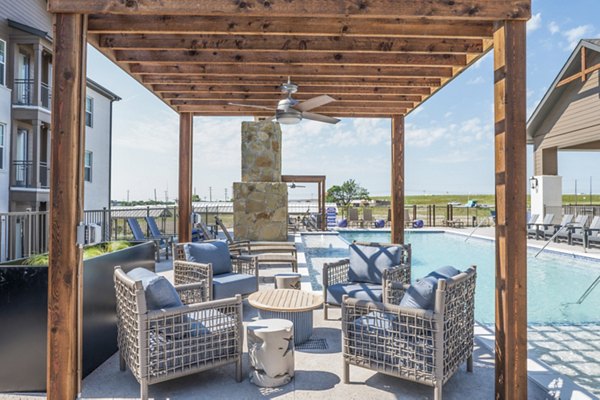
260	201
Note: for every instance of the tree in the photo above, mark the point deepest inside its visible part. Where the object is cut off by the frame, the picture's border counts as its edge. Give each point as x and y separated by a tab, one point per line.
195	197
344	194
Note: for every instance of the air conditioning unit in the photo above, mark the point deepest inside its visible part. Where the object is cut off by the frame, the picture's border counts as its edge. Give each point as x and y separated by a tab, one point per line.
89	234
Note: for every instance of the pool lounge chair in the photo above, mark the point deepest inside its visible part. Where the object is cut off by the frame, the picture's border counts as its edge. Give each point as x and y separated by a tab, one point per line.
408	220
547	221
580	236
353	219
548	231
593	233
250	247
368	217
138	235
577	226
531	229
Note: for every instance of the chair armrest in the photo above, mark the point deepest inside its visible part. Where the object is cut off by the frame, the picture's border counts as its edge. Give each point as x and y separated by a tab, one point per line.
393	292
190	272
336	272
245	264
239	247
191	293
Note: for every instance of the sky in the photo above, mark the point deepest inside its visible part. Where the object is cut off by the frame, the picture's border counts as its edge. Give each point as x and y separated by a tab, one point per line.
449	138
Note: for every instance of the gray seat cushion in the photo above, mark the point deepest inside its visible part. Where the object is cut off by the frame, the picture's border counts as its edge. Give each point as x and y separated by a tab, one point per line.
421	294
359	291
367	263
228	285
159	292
215	253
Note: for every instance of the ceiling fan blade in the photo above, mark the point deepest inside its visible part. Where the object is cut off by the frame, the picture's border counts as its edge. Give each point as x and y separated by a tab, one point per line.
252	106
314	103
319	117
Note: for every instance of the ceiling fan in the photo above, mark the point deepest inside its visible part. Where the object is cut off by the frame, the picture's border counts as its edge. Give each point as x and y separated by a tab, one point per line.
294	186
290	111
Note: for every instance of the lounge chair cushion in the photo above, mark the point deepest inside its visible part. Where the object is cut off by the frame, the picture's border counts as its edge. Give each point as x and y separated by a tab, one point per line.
159	292
228	285
215	253
360	291
421	294
367	263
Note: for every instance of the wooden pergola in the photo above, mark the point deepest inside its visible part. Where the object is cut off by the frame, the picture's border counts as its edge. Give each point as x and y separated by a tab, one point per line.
320	181
378	58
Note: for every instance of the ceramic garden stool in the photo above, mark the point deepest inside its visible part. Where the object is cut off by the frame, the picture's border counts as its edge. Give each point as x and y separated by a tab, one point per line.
287	281
271	352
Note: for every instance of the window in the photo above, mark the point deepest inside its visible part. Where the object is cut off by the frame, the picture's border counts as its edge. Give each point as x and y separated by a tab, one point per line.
87	166
2	62
89	112
2	145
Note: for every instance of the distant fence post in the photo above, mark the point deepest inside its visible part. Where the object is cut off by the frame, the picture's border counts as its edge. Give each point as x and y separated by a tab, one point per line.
105	237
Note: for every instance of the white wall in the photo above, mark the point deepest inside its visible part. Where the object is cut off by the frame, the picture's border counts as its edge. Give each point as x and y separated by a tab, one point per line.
97	140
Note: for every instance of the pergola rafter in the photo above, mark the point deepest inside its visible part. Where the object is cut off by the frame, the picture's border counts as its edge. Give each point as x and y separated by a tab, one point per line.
378	58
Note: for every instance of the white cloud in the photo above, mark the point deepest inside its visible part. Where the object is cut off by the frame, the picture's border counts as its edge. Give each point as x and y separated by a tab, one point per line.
574	35
534	23
423	137
448	114
553	27
476	81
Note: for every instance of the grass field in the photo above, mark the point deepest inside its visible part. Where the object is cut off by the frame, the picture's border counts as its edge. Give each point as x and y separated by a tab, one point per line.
439	200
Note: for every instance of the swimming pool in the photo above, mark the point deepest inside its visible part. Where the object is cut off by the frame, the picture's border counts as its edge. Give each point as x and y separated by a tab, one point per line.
553	281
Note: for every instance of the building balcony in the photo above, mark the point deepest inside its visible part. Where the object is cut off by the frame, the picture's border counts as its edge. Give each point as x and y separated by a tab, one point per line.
24	90
22	175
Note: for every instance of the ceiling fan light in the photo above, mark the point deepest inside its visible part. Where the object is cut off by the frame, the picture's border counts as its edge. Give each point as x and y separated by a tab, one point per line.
289	118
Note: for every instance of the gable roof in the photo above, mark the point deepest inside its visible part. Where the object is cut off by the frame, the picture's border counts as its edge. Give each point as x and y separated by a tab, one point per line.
571	67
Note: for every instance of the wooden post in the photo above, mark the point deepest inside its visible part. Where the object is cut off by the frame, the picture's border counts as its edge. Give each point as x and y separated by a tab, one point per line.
511	181
324	215
66	206
398	179
185	176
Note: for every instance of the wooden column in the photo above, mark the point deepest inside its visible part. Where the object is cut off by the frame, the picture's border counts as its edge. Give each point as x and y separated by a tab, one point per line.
398	179
511	183
66	206
324	215
185	176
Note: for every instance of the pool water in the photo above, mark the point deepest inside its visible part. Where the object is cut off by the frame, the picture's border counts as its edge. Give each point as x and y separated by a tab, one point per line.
554	281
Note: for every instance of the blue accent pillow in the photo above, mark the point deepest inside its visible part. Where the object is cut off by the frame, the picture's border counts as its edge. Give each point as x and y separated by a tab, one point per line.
158	290
215	253
421	294
367	263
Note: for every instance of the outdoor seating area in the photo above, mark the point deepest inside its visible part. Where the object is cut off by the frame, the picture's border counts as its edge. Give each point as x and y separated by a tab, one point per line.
576	231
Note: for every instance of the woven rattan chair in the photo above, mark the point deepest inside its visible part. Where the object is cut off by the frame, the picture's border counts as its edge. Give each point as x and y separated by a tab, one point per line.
420	345
163	344
186	272
337	275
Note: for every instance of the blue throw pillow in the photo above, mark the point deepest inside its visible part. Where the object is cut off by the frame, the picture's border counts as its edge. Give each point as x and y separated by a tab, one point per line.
421	294
367	263
158	290
215	253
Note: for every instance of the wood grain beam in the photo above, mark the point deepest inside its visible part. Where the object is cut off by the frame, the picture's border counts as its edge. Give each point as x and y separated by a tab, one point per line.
239	114
511	206
463	9
275	58
304	81
289	26
289	43
273	102
293	70
273	98
175	91
397	173
327	110
186	145
63	372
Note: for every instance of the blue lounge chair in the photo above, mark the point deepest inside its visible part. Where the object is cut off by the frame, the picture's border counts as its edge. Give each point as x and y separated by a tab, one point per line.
138	235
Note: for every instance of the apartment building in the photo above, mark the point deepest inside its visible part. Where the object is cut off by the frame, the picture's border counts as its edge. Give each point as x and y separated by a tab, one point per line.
25	114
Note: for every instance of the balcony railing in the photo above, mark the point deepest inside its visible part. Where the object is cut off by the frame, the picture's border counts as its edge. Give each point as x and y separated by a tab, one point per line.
24	92
22	173
46	95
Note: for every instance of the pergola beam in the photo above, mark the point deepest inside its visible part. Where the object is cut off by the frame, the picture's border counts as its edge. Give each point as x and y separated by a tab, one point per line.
326	110
272	102
272	98
274	58
251	83
292	70
289	26
180	92
462	9
289	43
266	114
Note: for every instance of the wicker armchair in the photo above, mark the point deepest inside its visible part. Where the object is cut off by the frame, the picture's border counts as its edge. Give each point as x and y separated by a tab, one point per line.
163	344
337	273
189	272
420	345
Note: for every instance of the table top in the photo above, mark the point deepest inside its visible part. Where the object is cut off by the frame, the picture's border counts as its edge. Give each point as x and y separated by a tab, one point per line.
285	300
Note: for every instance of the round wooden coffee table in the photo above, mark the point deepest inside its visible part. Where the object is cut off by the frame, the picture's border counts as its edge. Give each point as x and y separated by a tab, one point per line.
294	305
